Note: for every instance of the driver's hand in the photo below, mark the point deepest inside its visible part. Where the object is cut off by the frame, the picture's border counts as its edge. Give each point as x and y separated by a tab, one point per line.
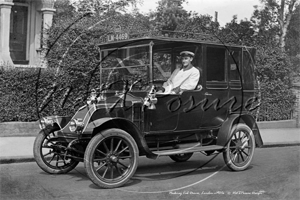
160	89
165	84
176	90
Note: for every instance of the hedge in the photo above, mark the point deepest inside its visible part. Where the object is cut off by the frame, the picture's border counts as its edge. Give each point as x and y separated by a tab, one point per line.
273	69
27	94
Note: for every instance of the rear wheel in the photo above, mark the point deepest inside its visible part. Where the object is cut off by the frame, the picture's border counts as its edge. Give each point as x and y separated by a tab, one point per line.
111	158
49	153
181	157
240	148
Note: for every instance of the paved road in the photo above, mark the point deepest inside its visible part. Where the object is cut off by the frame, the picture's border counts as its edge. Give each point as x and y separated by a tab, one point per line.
274	174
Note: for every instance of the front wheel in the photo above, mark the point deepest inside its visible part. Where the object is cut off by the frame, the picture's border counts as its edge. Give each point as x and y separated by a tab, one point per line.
240	148
49	153
111	158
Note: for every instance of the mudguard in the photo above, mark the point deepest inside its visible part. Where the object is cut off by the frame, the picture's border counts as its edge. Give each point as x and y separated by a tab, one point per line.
62	121
49	129
224	131
57	123
98	125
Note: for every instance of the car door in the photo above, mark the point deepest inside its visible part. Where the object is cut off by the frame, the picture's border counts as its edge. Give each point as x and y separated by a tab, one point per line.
216	104
165	115
190	110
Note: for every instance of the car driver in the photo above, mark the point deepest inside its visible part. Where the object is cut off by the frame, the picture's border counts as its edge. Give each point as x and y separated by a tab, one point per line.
184	78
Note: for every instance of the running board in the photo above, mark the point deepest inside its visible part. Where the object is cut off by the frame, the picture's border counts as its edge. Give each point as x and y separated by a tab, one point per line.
188	150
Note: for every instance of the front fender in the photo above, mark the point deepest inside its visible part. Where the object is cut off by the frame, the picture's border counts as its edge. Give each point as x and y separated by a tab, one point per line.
89	129
99	125
224	131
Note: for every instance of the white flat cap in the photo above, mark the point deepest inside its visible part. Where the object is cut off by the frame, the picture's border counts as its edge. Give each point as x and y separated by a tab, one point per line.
187	53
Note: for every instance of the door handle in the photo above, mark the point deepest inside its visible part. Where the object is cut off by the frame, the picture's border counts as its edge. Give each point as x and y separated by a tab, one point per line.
207	94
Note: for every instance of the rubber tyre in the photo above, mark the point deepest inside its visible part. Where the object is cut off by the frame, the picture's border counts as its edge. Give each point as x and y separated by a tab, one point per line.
41	161
96	143
181	157
236	145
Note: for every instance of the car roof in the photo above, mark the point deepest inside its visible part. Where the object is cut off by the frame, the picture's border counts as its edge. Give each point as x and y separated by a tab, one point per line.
159	39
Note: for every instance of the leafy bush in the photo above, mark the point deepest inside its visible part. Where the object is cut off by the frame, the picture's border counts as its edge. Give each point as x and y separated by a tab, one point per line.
18	94
273	70
27	94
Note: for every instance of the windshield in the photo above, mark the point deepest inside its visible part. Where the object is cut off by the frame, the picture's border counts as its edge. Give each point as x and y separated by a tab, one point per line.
162	65
125	64
133	64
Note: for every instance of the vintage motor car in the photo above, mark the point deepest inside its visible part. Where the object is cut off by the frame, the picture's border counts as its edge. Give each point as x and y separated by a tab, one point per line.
127	117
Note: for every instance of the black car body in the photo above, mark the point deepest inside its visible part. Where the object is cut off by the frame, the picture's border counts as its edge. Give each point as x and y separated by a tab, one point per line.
127	117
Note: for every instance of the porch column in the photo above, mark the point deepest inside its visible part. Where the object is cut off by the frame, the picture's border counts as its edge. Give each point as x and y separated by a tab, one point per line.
47	11
5	9
47	19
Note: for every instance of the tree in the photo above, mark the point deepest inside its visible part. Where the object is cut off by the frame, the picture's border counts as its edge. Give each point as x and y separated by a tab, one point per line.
293	34
273	68
238	33
280	11
102	6
168	14
277	25
199	24
64	10
293	42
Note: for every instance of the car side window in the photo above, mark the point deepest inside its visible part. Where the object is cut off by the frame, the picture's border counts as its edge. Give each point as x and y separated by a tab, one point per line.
215	64
234	65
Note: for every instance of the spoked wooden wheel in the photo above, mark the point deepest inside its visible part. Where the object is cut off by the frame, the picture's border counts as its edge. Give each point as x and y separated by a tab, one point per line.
49	153
240	149
181	157
111	158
